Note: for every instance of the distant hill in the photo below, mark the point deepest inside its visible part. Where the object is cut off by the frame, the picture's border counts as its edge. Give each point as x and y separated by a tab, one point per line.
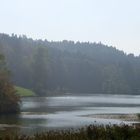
58	67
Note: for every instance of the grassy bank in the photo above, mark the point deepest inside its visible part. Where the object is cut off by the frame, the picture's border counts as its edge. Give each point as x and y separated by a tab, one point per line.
23	92
121	132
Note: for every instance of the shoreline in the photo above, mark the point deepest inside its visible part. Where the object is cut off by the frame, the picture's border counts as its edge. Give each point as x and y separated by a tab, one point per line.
122	117
89	132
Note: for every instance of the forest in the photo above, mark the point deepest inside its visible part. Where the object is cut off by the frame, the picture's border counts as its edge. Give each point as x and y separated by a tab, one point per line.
58	67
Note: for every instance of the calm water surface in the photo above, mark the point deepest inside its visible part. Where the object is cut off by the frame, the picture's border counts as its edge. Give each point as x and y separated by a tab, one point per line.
45	113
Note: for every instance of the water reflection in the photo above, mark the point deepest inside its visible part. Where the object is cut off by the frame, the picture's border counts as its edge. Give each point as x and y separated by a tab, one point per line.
44	113
10	119
9	124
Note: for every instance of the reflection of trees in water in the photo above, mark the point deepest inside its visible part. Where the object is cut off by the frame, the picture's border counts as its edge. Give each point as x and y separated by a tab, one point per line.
9	124
9	130
9	119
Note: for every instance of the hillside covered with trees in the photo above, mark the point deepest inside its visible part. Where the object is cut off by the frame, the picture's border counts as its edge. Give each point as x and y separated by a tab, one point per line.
66	66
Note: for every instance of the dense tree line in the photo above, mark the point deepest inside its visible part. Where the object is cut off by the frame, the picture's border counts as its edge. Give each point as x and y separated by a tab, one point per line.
9	101
67	66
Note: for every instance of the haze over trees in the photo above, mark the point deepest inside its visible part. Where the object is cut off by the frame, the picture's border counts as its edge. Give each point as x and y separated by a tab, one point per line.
66	66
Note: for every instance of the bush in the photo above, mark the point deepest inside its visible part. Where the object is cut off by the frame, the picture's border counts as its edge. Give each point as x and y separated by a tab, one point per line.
122	132
9	101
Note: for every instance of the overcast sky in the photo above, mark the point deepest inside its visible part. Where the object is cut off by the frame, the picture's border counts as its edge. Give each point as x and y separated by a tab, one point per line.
113	22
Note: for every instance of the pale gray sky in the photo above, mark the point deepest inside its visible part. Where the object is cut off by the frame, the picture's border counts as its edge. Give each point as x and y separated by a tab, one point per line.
113	22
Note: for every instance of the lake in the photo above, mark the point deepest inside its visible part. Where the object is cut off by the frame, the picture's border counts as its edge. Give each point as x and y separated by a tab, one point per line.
69	111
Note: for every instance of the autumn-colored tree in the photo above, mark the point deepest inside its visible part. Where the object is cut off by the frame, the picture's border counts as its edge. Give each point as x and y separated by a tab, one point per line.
9	101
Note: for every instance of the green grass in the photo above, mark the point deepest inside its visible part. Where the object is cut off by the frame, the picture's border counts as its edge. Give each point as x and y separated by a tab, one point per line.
23	92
